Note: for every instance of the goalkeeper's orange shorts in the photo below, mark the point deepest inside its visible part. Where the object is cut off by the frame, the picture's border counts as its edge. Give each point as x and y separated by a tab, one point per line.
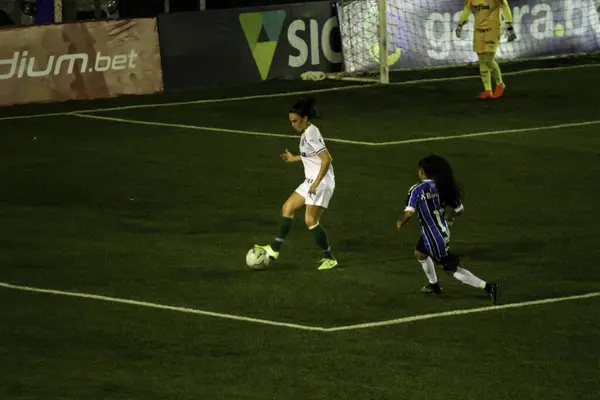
486	40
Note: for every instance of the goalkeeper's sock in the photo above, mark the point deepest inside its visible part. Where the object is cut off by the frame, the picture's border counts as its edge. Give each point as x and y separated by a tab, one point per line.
322	241
495	68
285	224
484	71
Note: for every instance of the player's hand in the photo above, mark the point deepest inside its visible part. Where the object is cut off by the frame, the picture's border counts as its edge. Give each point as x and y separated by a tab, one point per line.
450	221
313	189
510	32
287	156
398	224
458	30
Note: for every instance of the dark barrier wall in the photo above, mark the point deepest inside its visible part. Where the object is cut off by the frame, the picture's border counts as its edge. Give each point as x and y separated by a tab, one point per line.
231	47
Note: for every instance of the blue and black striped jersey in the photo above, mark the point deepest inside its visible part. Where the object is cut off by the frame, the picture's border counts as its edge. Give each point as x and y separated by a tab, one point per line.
424	199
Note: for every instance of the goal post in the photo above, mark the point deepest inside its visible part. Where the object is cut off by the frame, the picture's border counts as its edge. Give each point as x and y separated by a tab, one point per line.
384	69
364	32
58	11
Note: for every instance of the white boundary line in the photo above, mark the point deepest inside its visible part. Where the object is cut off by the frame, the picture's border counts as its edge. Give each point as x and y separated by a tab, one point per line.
207	128
397	321
183	126
337	140
461	312
161	306
488	133
287	94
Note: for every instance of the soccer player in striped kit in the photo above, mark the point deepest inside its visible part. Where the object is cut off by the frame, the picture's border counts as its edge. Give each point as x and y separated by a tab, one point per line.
437	200
315	191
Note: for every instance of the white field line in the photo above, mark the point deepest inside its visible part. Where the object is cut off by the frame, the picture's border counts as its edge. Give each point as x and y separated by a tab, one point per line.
488	133
183	126
287	94
337	140
206	128
162	307
298	326
461	312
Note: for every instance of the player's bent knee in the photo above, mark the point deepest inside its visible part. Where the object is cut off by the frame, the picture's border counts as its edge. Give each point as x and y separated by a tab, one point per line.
450	263
311	222
287	210
420	256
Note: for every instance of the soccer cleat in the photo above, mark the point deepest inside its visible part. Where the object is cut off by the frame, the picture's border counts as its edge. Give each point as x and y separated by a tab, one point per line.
486	94
499	91
327	263
492	291
432	288
273	255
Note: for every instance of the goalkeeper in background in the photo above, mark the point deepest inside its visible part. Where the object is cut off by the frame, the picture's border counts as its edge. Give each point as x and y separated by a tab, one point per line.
486	37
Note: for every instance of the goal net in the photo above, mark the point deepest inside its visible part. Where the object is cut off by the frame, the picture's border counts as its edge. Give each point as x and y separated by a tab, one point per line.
419	34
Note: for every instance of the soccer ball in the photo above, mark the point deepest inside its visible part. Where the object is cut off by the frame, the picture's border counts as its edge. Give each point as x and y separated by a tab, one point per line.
257	258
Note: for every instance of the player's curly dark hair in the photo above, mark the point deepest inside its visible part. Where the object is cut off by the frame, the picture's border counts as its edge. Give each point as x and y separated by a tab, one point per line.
438	169
305	107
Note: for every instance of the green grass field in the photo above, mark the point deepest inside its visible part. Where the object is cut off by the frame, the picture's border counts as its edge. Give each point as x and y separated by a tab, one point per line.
165	214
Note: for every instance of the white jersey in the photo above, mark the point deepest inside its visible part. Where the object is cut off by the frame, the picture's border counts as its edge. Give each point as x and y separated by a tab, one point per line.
311	144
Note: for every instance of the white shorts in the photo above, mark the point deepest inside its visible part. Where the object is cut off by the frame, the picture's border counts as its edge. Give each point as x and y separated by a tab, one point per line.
320	198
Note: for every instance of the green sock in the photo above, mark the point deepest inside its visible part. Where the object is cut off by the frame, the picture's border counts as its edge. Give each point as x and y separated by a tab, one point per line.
484	71
495	68
485	77
285	224
322	241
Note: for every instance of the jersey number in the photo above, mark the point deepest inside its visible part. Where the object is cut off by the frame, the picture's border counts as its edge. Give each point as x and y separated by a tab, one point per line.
441	224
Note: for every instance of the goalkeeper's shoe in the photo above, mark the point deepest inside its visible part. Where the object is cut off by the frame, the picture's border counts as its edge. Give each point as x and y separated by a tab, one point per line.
486	94
432	288
273	255
327	263
499	91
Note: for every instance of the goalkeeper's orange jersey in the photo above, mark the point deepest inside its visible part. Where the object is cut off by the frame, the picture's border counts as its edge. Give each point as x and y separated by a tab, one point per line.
487	13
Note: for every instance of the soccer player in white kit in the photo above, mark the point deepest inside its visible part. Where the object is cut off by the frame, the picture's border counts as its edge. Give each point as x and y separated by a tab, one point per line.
317	188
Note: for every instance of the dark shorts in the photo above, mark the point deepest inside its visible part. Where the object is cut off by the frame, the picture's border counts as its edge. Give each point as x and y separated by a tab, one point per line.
448	263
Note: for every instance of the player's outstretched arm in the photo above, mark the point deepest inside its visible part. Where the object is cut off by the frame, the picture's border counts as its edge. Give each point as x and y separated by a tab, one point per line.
289	157
404	219
464	16
508	20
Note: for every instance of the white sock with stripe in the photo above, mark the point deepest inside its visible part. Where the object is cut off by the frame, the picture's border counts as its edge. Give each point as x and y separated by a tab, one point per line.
429	269
465	276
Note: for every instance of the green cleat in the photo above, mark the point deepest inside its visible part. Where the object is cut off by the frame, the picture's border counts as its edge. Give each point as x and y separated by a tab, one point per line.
272	253
327	263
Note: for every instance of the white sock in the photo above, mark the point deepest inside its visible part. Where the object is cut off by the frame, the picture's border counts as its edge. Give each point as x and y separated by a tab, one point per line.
429	269
465	276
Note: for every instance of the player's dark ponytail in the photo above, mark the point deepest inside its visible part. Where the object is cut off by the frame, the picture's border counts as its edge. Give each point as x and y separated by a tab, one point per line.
305	107
438	169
